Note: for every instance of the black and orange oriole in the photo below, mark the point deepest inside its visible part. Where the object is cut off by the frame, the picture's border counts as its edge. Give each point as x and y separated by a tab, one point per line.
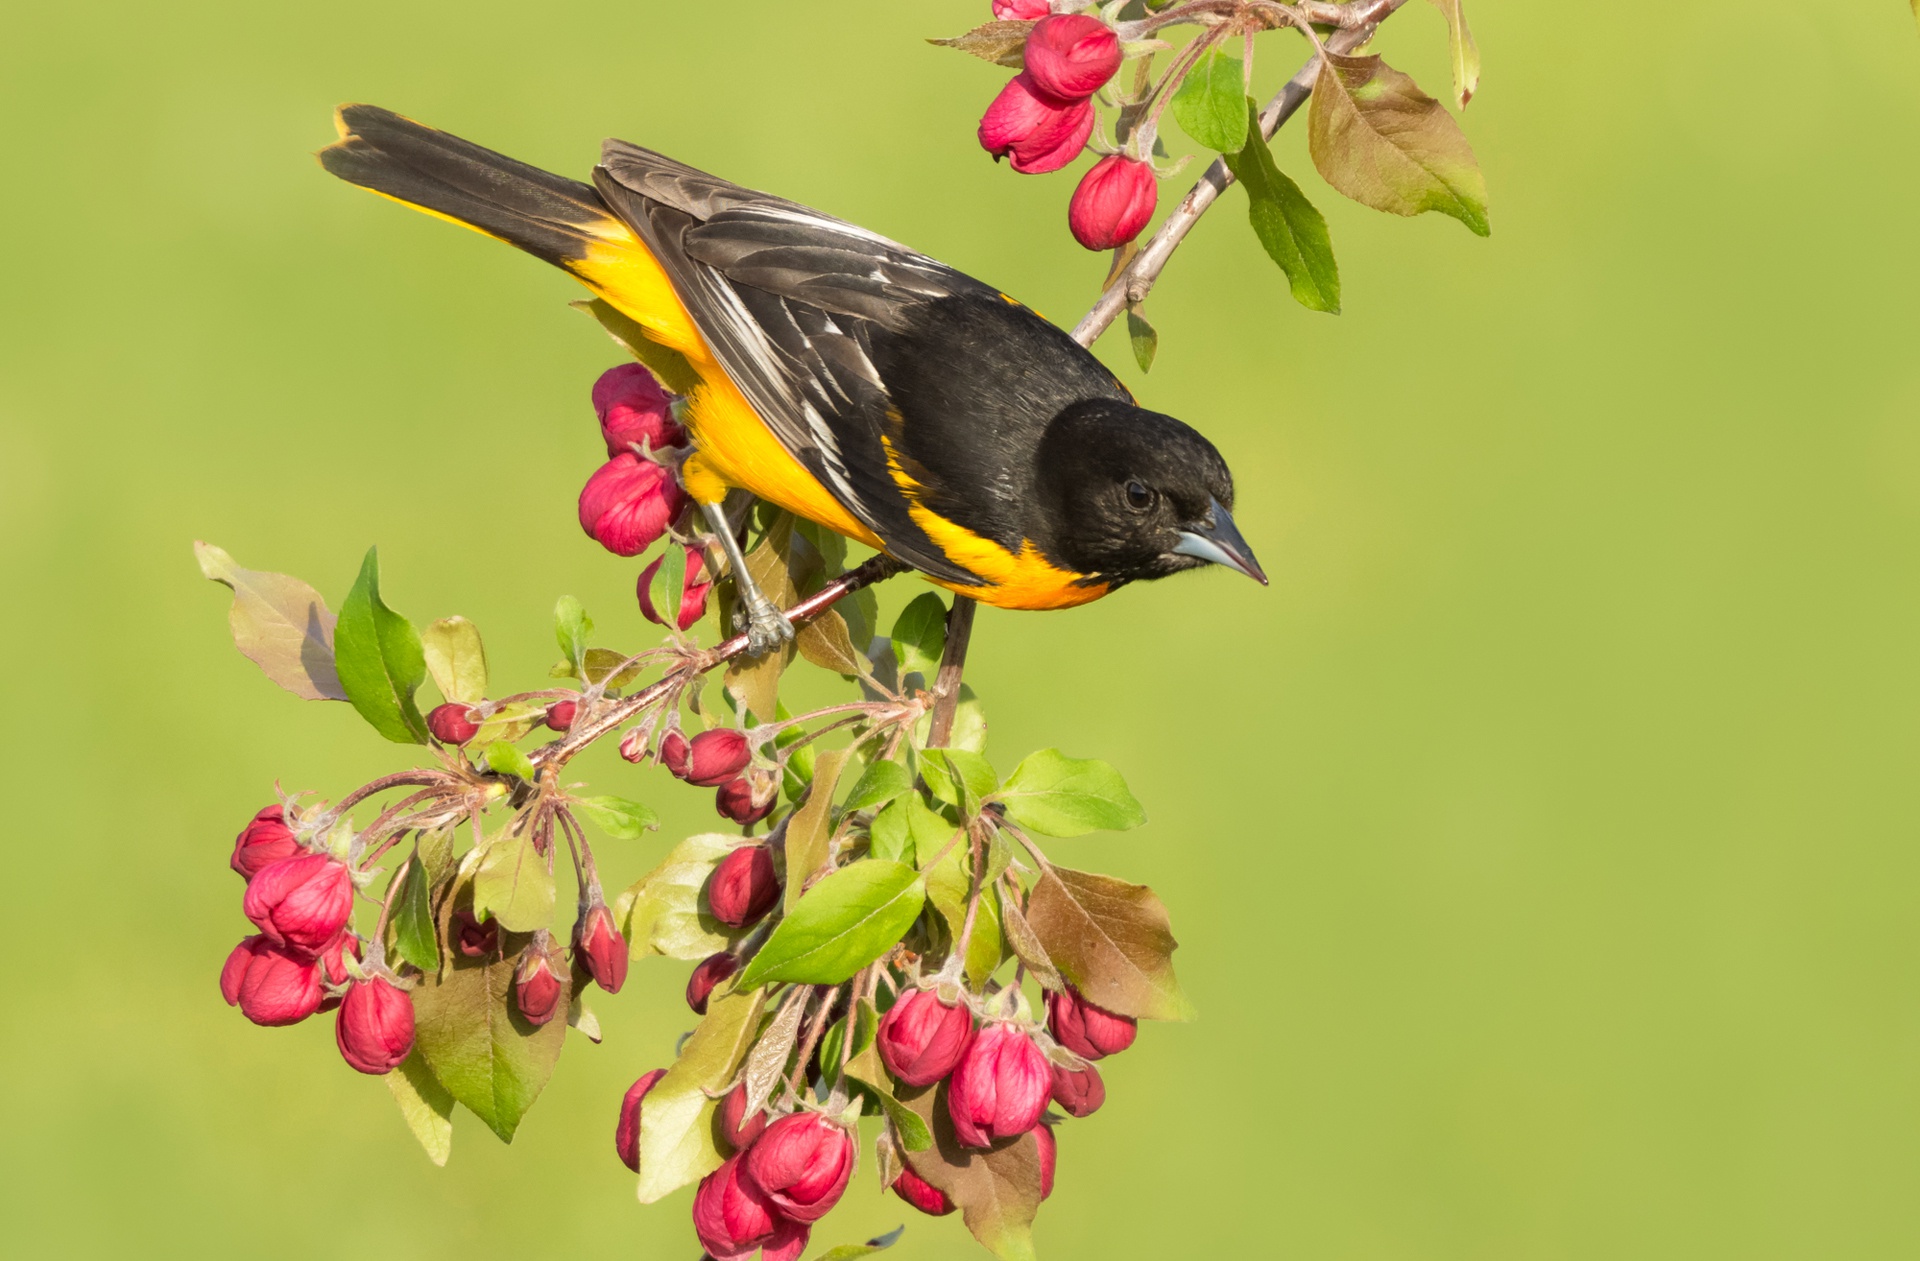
846	378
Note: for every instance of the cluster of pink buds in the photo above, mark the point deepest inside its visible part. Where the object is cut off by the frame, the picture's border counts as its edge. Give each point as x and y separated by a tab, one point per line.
720	759
1044	116
630	500
742	889
305	957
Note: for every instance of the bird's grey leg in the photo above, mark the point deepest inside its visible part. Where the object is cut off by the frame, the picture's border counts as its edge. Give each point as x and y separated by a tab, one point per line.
767	627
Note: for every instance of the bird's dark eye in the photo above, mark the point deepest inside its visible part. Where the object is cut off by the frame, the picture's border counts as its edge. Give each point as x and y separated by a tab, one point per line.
1139	497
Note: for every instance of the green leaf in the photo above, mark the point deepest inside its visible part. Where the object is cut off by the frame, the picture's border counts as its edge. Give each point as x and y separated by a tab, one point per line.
866	1067
1466	55
673	572
1056	795
514	884
619	818
504	759
880	1243
969	724
887	835
477	1044
1111	939
571	627
1001	42
508	723
1292	231
605	663
839	926
280	624
1144	338
959	778
996	1191
457	659
1376	137
380	659
929	829
677	1142
666	913
811	828
1209	105
413	933
426	1106
920	636
948	883
882	782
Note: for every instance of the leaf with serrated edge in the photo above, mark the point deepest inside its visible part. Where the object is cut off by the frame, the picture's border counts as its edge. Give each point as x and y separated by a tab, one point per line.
997	1191
811	827
618	817
920	635
839	926
280	624
767	1062
1111	939
1025	946
882	782
1057	795
1001	42
379	659
825	642
425	1105
413	936
514	885
666	912
1208	104
1290	229
456	659
475	1041
1466	54
677	1144
1376	137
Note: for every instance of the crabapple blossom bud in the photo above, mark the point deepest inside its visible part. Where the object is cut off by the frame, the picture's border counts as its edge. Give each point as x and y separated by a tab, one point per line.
1049	1156
1079	1093
626	1135
270	984
1020	10
1000	1087
634	410
633	746
596	940
708	973
675	752
735	800
452	723
560	715
1071	55
920	1193
628	503
922	1038
375	1026
731	1215
475	939
1113	202
743	887
537	988
802	1162
713	757
693	594
1090	1032
736	1127
1038	132
264	841
301	902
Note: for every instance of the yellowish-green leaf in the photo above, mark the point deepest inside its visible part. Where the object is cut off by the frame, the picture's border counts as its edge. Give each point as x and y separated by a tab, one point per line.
425	1104
280	624
456	659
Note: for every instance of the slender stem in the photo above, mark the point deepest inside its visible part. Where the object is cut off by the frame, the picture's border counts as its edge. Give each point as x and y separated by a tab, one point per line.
814	1030
973	895
953	662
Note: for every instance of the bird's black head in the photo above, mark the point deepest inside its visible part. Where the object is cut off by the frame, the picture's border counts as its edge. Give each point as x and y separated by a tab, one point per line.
1130	494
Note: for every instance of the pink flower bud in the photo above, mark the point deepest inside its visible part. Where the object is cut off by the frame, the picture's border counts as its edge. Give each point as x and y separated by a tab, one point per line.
1079	1093
560	715
1020	10
735	800
537	988
628	503
375	1026
1038	132
1071	56
802	1162
921	1038
1000	1087
634	410
270	984
693	594
633	746
626	1135
301	902
1113	203
475	939
731	1215
596	940
1090	1032
920	1193
264	841
736	1127
743	887
676	753
1049	1156
452	723
712	757
708	973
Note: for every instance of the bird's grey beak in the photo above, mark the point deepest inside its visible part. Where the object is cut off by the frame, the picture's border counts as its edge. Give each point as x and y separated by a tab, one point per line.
1218	540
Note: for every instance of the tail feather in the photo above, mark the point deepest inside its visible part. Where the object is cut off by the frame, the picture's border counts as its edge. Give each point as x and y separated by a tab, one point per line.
547	215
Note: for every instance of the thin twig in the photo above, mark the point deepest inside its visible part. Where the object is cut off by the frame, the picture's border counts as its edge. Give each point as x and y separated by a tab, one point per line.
953	663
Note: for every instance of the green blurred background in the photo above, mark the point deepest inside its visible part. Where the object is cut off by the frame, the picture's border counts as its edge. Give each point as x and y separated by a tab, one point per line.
1541	844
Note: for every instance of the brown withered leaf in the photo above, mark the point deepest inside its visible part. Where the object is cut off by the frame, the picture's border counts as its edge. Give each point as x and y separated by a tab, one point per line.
825	642
767	1062
780	569
1003	42
997	1191
280	624
1379	139
1025	946
812	824
1111	939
